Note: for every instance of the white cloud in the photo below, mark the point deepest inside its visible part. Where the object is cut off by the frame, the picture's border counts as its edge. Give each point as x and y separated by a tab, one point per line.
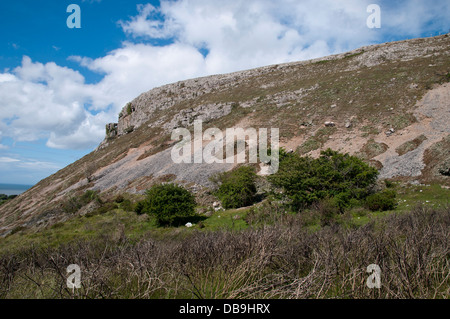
243	34
47	101
135	68
91	128
38	165
143	25
5	159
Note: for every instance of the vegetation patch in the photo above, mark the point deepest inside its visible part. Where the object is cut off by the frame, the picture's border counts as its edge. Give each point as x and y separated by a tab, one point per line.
318	140
170	204
342	178
281	261
437	161
349	56
382	201
236	188
410	145
372	149
399	122
4	198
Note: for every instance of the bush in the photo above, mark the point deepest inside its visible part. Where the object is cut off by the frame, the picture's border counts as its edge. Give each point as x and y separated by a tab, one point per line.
169	203
385	200
237	188
119	198
104	208
327	209
344	178
127	205
89	196
4	198
140	208
129	108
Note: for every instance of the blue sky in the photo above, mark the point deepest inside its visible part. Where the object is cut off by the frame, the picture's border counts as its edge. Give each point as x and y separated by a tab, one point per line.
60	86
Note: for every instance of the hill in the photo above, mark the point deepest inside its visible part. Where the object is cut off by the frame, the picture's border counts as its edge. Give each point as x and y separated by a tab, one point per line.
388	103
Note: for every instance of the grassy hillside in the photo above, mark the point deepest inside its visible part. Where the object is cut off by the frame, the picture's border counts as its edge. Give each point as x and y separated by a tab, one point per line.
262	254
373	89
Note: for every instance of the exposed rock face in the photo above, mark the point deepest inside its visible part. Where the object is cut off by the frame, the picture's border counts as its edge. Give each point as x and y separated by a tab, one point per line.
111	130
206	112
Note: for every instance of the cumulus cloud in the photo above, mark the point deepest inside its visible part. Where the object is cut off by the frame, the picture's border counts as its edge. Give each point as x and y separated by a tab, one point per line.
5	159
46	100
197	38
242	34
135	68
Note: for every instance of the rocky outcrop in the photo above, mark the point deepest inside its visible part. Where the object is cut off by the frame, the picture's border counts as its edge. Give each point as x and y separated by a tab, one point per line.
206	113
111	130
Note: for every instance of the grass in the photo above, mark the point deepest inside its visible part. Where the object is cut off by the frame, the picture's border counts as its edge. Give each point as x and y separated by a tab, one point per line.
401	121
429	195
283	260
314	142
225	256
227	219
354	54
119	222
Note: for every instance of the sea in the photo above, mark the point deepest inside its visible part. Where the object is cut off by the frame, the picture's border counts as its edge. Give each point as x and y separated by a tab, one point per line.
13	189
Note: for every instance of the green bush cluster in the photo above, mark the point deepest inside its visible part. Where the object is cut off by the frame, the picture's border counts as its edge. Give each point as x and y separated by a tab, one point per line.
170	204
237	188
345	179
385	200
129	108
329	184
74	203
4	198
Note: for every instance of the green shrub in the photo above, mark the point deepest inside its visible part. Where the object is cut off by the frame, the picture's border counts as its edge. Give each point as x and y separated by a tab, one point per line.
327	209
129	129
105	208
388	184
345	179
4	198
71	205
129	109
385	200
169	203
119	199
140	208
88	197
237	188
127	205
